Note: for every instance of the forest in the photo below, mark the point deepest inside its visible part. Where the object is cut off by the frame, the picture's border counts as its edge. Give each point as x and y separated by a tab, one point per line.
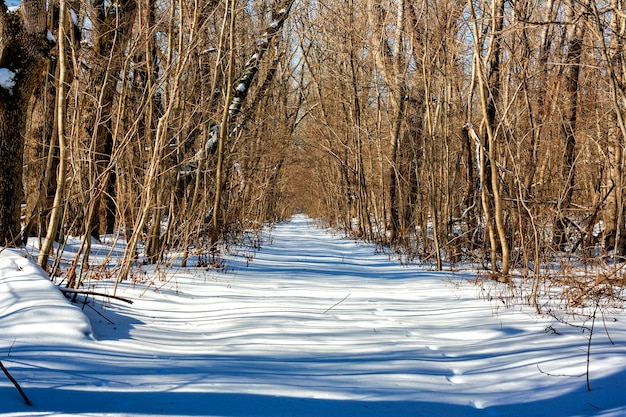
456	133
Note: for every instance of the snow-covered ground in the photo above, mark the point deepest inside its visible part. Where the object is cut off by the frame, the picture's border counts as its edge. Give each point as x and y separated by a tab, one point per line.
315	325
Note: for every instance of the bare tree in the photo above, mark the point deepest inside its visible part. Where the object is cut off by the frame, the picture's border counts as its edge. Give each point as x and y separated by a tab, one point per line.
389	53
489	81
61	111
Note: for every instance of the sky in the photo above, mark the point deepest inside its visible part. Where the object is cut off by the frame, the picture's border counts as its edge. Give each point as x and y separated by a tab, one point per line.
310	324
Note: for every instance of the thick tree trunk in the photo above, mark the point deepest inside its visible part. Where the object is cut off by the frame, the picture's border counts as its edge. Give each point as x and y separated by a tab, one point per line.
11	149
23	48
40	156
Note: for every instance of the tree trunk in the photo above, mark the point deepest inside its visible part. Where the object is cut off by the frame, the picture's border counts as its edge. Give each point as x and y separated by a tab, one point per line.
615	61
112	33
40	155
59	196
489	89
575	37
11	150
389	61
224	131
23	47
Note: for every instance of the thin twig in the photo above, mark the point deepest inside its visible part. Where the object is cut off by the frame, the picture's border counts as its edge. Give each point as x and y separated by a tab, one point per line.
559	375
336	304
593	322
19	389
606	328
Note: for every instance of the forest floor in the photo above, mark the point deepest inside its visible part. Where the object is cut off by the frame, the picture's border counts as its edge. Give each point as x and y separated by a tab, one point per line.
311	324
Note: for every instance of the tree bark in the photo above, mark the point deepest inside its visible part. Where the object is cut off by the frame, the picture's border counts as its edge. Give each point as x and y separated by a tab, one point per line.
575	37
40	155
23	50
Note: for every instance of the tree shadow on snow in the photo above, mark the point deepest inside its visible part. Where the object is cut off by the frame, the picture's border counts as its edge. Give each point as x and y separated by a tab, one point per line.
83	379
77	402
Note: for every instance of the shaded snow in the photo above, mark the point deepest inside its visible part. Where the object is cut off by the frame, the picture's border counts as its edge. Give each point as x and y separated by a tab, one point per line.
315	325
74	16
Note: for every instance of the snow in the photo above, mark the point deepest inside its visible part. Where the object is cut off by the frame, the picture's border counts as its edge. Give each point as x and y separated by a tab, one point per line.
263	41
31	307
74	17
213	138
208	50
312	325
7	78
235	105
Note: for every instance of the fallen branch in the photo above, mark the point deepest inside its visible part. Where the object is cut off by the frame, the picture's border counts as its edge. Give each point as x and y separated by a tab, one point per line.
89	292
336	304
559	375
19	389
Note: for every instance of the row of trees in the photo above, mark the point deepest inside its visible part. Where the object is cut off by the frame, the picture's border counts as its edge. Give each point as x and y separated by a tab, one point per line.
142	118
463	130
446	130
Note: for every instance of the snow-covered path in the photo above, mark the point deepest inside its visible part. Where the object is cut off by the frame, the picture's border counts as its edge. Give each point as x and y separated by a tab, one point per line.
315	325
